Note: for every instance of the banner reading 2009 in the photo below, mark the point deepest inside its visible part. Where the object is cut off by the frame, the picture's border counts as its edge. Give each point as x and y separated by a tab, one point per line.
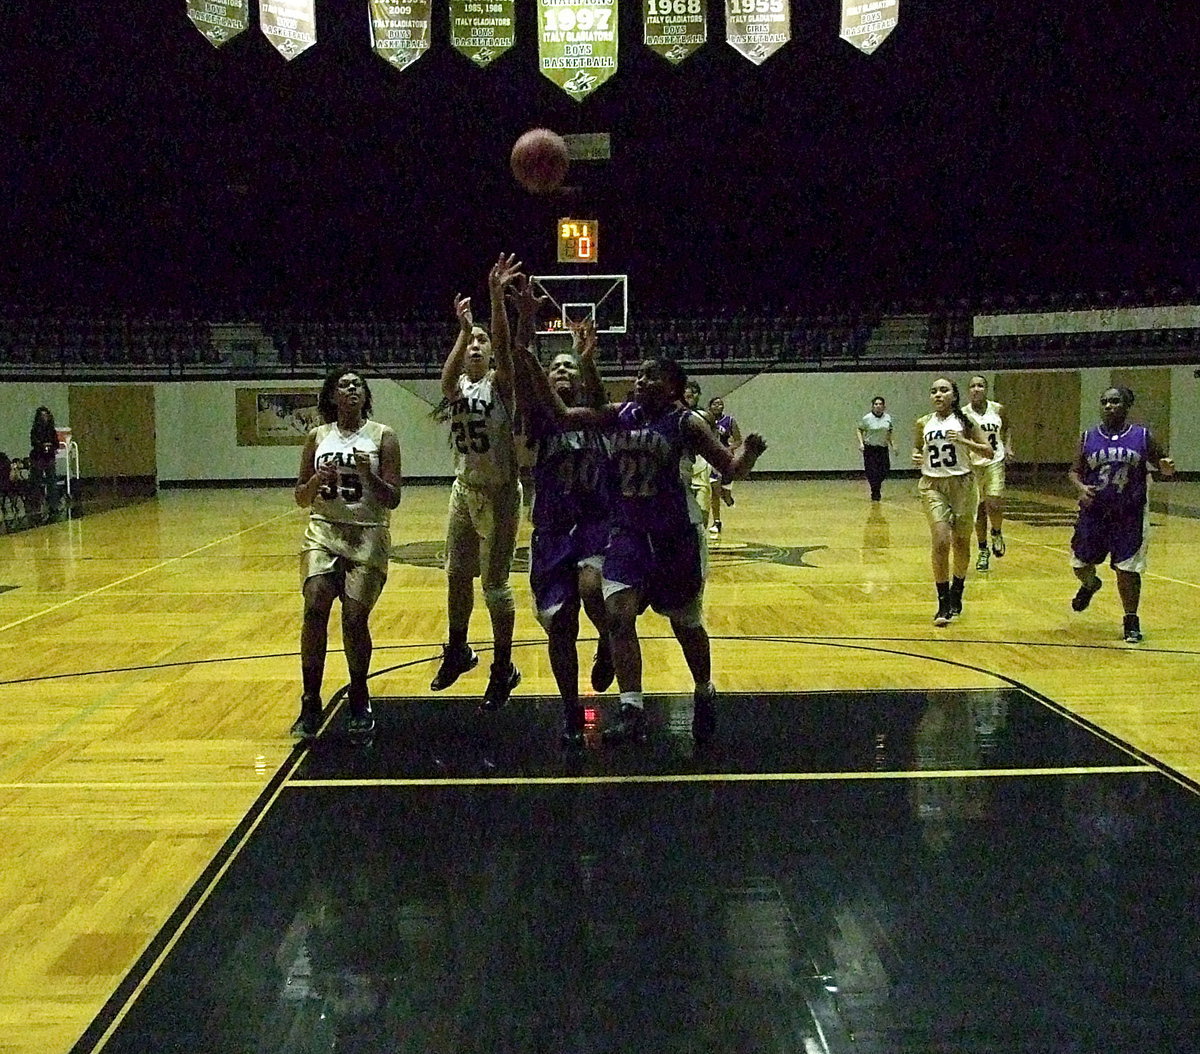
400	30
219	20
675	28
577	43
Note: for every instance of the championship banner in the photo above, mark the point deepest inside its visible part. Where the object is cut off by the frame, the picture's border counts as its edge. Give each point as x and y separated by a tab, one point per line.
219	20
675	28
290	25
483	30
756	29
577	43
867	23
400	31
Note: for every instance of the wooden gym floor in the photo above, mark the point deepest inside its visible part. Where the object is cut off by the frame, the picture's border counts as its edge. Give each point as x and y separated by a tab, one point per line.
906	838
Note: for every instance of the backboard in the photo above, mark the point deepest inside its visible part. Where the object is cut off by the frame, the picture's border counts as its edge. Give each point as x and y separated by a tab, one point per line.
604	297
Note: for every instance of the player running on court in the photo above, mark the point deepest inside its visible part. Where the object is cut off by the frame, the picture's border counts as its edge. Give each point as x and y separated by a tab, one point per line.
942	444
991	420
1110	472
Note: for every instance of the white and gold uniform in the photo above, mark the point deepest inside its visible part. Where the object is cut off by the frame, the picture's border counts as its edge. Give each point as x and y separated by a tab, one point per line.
485	499
947	486
347	531
989	471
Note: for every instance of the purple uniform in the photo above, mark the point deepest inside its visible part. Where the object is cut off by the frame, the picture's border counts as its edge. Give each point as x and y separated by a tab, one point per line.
1114	523
724	429
654	545
570	513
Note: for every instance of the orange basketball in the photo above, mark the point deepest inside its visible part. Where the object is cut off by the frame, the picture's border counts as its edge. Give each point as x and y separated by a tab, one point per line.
539	160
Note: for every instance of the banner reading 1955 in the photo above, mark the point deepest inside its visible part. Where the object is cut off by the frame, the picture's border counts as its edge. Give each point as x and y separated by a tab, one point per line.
577	43
756	29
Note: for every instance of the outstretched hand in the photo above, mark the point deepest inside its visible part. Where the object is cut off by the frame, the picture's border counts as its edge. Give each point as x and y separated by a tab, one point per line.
529	304
754	444
583	336
504	271
462	308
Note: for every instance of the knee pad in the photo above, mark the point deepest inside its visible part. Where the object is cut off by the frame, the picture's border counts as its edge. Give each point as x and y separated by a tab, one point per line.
500	599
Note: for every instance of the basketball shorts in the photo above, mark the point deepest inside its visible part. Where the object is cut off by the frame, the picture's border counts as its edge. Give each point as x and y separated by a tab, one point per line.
667	570
1123	536
990	479
481	532
356	554
556	558
950	499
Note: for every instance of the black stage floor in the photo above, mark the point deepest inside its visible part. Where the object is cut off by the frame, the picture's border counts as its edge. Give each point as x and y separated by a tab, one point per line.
951	871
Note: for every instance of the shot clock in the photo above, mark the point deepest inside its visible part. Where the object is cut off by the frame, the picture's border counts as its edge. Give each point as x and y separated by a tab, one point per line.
578	241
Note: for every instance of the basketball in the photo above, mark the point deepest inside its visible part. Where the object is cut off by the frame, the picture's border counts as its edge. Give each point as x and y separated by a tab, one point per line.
539	160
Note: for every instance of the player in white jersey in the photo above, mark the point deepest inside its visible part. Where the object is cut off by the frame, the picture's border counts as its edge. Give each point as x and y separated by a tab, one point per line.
943	442
485	498
992	421
349	481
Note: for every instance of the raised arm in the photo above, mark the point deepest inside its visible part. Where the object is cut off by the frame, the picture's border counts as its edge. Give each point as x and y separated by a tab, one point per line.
545	398
452	368
583	338
503	272
703	441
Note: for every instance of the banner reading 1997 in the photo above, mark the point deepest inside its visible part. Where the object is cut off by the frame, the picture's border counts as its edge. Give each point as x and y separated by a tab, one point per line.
219	20
400	30
756	29
866	23
675	28
290	25
483	30
577	43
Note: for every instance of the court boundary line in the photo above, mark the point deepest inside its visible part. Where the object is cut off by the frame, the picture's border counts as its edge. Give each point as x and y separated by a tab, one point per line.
145	968
115	1009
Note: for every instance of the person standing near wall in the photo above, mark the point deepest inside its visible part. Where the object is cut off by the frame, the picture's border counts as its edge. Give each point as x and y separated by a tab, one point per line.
875	442
43	449
349	481
991	420
730	435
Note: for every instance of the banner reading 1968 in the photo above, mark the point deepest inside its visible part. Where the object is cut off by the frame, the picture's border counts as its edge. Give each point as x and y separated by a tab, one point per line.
675	28
866	23
756	29
290	25
577	43
219	20
400	30
482	30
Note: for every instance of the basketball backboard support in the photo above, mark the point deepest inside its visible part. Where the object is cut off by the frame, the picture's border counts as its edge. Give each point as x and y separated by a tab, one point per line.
603	297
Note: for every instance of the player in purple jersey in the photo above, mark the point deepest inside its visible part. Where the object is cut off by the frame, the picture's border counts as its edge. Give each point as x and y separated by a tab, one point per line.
570	512
655	550
730	435
1110	473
